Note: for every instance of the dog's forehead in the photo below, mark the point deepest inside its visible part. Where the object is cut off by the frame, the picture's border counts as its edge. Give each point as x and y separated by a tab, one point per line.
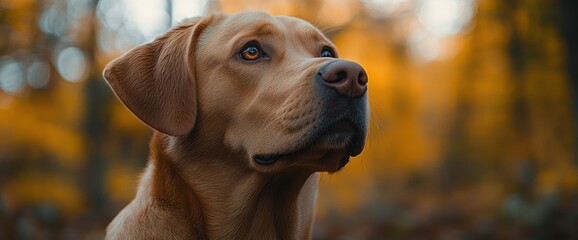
262	22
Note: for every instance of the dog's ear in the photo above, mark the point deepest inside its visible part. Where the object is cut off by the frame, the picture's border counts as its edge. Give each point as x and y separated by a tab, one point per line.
156	80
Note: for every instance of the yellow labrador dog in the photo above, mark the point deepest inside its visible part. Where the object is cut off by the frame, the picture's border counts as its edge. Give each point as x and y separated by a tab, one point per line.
246	109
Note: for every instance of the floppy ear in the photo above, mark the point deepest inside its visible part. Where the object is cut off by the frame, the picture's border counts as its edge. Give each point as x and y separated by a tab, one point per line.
156	80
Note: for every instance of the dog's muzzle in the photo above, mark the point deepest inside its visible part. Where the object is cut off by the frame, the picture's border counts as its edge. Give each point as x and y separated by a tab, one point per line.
341	87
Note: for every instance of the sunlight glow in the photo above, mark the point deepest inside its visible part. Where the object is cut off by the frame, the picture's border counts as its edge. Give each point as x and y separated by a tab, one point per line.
186	8
438	20
77	9
385	8
71	64
131	22
429	23
150	17
12	76
38	74
424	48
445	17
52	21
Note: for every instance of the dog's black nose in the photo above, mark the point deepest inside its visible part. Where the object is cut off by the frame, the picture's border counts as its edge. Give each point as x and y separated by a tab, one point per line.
347	78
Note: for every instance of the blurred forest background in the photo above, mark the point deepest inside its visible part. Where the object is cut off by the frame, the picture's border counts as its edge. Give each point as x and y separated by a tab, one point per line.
473	133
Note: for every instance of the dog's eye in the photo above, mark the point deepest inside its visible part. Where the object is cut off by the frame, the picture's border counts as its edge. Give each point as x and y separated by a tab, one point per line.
251	52
326	52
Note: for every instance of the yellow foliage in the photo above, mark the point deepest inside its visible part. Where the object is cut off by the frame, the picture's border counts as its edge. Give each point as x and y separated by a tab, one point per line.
120	182
37	187
124	120
51	125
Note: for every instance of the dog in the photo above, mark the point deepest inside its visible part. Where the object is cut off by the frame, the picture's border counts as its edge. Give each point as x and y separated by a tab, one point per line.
246	109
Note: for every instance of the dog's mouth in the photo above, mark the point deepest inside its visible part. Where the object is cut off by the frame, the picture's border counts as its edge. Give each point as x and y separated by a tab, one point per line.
341	135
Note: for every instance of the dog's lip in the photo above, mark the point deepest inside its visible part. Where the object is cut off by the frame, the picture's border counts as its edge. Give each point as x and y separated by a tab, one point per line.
353	149
268	159
358	144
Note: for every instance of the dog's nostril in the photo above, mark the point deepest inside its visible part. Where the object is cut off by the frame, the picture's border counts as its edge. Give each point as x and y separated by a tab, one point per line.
362	78
334	76
340	76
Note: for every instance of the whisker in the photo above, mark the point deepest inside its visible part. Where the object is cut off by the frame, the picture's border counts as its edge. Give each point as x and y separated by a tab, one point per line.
330	29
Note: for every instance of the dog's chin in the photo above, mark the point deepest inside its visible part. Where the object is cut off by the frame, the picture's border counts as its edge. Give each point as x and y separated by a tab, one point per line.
329	151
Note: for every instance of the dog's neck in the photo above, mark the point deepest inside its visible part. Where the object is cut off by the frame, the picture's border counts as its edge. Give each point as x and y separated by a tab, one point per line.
231	200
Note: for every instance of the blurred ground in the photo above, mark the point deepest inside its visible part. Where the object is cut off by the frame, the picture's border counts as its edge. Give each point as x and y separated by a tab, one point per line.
473	132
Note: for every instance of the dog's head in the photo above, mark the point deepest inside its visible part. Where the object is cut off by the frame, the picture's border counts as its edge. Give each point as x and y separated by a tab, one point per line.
269	87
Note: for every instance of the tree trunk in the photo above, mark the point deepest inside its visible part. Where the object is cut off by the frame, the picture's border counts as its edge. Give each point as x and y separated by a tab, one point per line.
568	27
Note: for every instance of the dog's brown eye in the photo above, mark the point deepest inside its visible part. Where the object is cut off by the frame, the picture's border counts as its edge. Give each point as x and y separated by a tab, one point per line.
326	52
251	52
